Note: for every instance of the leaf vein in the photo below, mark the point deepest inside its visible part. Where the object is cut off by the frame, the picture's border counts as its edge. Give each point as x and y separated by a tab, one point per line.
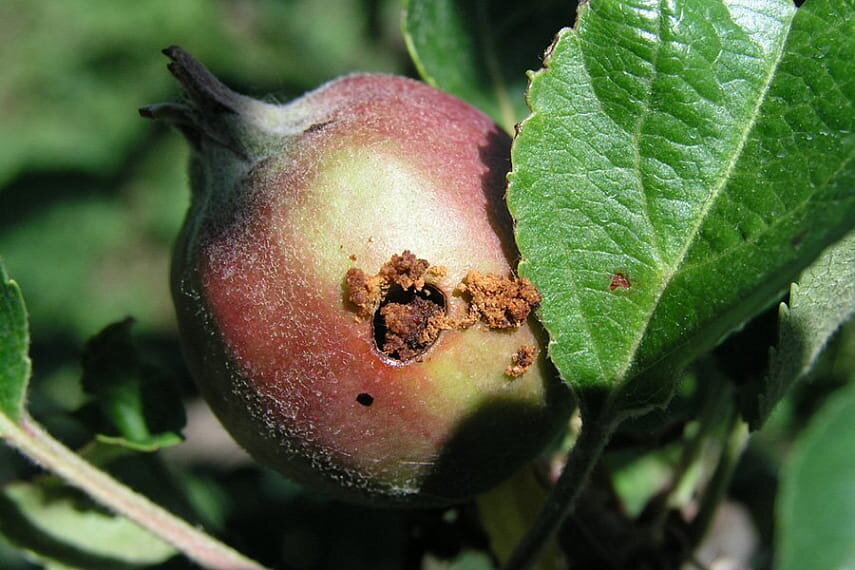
673	269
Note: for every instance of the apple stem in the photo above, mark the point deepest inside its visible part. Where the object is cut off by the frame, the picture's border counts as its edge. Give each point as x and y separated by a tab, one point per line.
734	444
33	441
583	457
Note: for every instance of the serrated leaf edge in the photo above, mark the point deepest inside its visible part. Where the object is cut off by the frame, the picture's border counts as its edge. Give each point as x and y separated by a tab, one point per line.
670	270
765	400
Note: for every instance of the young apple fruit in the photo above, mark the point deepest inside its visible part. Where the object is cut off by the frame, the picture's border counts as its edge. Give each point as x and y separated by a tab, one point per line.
344	290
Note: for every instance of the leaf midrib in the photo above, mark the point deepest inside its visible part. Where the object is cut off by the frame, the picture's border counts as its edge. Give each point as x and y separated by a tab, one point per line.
673	269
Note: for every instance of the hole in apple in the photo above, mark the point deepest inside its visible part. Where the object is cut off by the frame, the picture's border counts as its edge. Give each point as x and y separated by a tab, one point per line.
408	321
365	399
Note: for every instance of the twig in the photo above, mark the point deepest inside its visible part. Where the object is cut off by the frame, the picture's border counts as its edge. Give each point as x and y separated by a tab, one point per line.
37	444
581	461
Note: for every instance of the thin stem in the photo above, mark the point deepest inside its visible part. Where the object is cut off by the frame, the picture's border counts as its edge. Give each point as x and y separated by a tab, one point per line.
713	421
581	461
33	441
737	437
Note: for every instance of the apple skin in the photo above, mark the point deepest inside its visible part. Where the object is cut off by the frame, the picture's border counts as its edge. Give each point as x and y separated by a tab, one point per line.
286	199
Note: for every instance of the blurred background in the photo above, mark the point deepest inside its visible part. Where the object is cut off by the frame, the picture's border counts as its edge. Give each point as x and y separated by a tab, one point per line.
92	196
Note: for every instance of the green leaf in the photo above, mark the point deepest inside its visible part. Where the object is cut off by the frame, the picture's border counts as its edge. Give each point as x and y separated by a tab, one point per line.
139	403
480	51
63	529
819	304
14	344
684	161
508	511
816	504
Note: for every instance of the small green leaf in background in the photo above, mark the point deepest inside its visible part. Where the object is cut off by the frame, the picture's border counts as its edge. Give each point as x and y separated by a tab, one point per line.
821	301
63	529
507	512
684	161
481	50
140	403
816	503
14	343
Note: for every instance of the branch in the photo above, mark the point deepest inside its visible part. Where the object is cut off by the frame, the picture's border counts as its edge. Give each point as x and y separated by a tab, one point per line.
34	442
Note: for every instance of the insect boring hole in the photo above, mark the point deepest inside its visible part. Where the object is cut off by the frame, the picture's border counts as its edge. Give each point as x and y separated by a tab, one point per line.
408	321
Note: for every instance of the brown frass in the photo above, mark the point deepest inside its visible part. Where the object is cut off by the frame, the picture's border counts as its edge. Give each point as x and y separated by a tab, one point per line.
411	327
408	311
522	360
500	302
364	291
407	271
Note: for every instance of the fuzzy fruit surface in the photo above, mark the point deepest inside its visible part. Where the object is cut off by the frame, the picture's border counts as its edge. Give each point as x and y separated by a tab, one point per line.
288	198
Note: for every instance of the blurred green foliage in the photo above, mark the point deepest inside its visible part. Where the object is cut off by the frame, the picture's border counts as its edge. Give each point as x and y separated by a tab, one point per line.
73	71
